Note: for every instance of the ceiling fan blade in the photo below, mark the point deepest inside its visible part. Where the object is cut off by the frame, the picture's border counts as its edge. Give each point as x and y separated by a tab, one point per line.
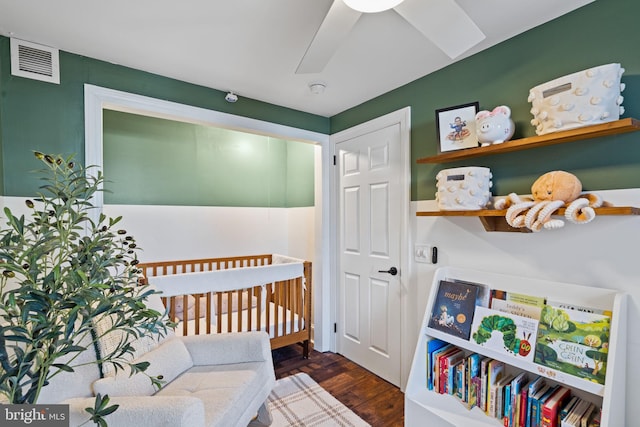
333	30
443	22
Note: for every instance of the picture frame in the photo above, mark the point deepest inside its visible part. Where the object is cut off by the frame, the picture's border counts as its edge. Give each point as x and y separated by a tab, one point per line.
456	127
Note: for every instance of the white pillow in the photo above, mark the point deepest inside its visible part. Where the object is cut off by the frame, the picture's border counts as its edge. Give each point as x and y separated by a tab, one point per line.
170	359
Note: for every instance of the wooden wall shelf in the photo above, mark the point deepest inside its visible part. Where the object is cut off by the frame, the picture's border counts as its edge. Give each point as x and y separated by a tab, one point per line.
494	219
588	132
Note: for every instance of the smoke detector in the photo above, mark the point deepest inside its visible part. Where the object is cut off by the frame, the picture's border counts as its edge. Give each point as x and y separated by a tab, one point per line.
317	88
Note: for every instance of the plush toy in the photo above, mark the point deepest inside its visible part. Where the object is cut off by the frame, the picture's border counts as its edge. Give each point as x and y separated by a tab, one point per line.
550	192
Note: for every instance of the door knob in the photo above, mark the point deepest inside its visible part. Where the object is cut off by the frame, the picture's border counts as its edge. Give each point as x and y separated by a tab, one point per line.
392	271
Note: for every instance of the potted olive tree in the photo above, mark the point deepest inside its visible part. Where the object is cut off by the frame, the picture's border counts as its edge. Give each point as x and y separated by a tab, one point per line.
61	272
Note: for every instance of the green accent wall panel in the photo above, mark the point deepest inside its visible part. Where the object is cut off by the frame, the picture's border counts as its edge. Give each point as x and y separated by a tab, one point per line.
155	161
47	117
599	33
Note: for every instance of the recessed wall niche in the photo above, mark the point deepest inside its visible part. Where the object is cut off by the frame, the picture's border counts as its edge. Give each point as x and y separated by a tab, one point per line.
154	161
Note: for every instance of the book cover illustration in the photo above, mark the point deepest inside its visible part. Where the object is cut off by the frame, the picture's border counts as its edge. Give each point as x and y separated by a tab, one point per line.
519	298
524	310
504	332
574	341
453	308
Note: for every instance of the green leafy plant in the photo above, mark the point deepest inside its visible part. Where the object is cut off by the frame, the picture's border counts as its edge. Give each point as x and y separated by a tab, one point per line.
61	272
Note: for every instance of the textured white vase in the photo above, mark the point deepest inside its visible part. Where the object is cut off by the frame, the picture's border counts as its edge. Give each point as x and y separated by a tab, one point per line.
580	99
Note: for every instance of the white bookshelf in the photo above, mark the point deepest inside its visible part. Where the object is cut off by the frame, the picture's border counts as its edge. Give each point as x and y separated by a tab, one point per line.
425	407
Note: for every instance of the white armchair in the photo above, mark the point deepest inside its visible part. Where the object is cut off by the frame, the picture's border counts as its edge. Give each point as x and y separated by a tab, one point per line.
211	380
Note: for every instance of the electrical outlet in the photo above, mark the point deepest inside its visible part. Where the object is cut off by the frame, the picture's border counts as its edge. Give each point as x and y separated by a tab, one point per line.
422	253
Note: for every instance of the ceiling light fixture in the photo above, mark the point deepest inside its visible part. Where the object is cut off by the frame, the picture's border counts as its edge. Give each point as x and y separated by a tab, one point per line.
372	6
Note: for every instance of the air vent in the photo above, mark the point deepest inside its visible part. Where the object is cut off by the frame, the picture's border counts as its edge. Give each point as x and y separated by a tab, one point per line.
34	61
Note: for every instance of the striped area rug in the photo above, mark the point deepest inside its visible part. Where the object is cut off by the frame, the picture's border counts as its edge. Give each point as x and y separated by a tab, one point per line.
298	400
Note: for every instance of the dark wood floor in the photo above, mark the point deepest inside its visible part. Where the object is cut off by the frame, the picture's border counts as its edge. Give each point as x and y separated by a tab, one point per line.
376	401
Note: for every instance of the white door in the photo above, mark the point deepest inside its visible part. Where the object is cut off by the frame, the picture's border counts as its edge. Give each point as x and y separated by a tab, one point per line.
369	229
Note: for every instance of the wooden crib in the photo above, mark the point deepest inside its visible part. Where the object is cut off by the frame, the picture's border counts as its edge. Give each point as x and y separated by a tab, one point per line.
269	292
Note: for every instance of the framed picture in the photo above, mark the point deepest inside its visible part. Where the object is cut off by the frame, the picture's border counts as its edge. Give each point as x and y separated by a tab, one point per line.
457	127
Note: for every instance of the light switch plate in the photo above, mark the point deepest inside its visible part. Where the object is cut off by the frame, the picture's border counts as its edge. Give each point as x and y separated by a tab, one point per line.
422	253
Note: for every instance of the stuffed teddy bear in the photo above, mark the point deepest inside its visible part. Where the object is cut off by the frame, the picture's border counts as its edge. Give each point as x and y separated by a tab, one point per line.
550	192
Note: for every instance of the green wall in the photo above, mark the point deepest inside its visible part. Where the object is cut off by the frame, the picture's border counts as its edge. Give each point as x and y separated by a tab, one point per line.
152	161
46	117
50	118
599	33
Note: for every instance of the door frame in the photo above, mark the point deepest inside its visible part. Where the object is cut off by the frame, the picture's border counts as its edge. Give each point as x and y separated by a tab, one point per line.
403	118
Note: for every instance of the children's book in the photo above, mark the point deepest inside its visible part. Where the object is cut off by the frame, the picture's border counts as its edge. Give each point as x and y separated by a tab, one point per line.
504	332
535	400
495	372
483	297
540	403
534	388
574	417
498	395
574	341
524	310
447	362
453	308
551	408
517	298
472	372
432	345
524	398
514	397
484	378
568	407
435	375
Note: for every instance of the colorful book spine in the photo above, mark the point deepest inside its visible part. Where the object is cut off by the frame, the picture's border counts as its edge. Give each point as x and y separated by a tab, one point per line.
551	407
534	388
432	346
541	402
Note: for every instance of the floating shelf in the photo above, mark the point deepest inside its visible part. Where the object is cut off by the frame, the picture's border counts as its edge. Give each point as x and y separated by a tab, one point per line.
587	132
494	219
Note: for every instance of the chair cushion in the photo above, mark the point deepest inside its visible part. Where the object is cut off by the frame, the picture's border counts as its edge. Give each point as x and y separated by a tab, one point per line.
170	359
226	390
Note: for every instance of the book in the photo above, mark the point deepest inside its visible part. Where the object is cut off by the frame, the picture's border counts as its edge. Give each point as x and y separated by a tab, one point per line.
482	397
570	306
524	310
535	399
483	297
472	373
574	341
522	407
436	364
552	406
454	382
445	360
432	345
574	417
507	404
568	407
505	333
514	397
534	388
540	403
517	298
495	371
498	395
453	309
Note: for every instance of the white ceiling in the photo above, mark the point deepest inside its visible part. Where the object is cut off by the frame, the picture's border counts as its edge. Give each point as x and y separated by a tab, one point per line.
253	47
